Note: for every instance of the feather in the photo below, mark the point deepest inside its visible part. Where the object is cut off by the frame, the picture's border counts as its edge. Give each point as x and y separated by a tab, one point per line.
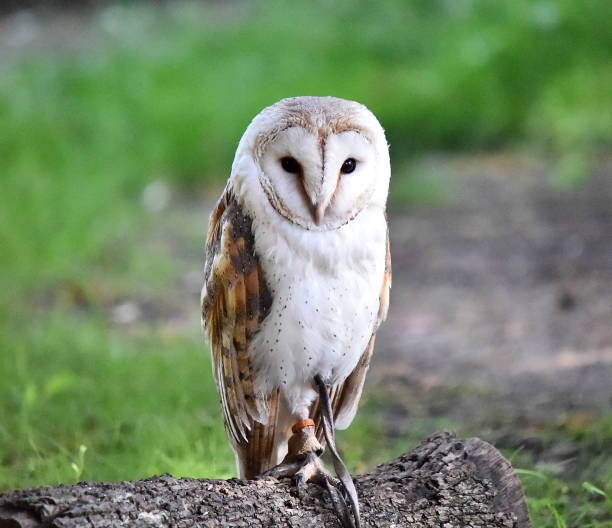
235	301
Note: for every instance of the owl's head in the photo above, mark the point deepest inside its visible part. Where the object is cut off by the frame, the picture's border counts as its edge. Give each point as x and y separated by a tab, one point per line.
319	160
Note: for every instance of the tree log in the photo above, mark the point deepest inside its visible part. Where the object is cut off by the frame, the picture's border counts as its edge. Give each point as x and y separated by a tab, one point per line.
443	482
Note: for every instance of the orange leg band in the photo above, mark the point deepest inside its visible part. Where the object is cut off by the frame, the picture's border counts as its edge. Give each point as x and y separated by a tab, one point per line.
309	422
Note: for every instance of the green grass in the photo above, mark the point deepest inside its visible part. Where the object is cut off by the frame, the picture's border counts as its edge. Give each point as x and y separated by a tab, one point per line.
139	405
580	493
165	95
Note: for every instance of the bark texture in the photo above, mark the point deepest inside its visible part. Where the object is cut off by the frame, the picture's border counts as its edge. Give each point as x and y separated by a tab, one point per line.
443	482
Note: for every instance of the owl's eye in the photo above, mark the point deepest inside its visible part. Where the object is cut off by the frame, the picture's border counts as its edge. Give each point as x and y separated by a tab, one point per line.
348	166
290	164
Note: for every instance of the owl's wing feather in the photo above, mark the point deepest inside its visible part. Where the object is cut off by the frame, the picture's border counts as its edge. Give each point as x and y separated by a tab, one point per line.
345	396
235	300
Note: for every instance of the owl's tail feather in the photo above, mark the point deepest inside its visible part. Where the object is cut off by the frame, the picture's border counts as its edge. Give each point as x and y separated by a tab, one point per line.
341	471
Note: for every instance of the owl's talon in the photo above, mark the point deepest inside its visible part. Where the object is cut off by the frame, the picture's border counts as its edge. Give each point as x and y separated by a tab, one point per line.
297	485
283	470
302	469
302	463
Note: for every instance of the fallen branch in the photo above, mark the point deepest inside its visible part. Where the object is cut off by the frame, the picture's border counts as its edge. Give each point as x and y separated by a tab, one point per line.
442	482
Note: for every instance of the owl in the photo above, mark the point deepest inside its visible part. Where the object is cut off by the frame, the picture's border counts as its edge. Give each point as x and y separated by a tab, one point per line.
297	277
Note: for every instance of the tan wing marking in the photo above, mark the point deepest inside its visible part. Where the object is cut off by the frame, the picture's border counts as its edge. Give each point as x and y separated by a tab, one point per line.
385	289
235	301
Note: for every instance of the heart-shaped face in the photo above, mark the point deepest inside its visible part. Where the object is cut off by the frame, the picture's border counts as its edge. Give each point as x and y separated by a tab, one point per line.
320	160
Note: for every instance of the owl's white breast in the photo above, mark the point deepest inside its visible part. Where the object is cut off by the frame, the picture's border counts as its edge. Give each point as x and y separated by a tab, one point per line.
325	288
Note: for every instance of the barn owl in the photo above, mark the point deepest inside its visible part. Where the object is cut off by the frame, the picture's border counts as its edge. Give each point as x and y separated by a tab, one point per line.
297	277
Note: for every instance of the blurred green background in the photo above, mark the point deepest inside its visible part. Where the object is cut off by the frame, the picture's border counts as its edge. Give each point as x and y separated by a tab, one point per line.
126	106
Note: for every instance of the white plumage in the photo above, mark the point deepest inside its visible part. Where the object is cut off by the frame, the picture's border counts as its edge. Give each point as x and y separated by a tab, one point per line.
326	289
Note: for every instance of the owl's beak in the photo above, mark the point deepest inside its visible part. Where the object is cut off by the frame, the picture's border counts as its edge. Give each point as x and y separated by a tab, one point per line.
322	197
319	212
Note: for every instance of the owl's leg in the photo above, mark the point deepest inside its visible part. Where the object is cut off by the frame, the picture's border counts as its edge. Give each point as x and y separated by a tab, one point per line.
302	462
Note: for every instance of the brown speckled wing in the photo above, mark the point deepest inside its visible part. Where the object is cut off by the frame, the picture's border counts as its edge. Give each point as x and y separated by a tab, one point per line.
345	396
235	301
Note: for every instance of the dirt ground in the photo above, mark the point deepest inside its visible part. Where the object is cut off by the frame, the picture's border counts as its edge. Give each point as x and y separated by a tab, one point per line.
501	308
